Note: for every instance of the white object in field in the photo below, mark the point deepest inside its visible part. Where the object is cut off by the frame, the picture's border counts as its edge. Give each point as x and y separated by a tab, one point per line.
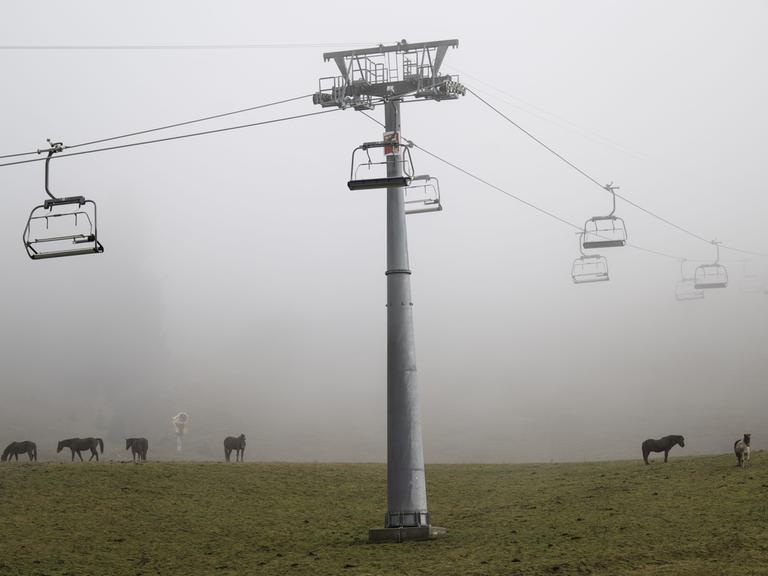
181	422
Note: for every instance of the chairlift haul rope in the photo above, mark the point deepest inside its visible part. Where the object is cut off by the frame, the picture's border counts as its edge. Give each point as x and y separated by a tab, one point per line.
180	137
298	116
596	182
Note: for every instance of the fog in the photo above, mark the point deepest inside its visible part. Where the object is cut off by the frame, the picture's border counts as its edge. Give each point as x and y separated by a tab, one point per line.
243	282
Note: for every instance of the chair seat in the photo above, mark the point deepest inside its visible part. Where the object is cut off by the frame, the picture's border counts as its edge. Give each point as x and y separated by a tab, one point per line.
373	183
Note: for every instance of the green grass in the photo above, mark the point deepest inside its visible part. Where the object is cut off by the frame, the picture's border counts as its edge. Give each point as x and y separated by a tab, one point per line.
693	516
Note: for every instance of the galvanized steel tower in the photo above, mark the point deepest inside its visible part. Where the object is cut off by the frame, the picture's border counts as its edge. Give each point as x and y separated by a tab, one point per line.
389	75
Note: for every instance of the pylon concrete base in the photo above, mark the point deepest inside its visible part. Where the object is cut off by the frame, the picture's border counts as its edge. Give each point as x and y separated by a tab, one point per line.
377	535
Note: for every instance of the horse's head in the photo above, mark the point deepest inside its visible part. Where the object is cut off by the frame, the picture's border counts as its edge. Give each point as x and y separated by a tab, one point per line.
4	457
747	438
242	438
128	442
681	442
60	446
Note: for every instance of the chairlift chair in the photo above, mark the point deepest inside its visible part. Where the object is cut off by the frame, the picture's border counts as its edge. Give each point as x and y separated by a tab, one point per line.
753	283
713	275
61	226
423	195
379	178
605	231
685	288
589	268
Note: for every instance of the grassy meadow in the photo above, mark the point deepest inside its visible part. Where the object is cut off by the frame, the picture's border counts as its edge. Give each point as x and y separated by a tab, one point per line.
692	516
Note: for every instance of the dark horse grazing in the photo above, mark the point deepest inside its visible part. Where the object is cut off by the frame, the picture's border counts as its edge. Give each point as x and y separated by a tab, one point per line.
80	444
661	445
138	446
16	448
236	444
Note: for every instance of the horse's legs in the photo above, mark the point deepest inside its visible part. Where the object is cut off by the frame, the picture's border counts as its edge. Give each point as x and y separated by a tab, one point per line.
645	456
226	454
666	455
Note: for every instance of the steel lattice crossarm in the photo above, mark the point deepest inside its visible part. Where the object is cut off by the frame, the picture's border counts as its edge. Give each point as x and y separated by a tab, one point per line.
371	75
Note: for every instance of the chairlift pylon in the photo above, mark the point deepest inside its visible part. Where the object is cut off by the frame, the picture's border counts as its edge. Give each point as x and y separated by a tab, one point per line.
605	231
713	275
685	288
423	195
61	226
379	178
589	268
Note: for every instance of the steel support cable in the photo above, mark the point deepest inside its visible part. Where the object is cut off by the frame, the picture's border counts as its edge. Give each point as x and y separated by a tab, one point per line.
530	205
39	47
179	137
187	122
18	154
178	124
535	139
593	180
548	116
521	200
169	126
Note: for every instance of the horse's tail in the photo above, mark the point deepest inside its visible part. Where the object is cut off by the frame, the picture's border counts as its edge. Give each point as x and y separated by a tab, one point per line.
34	451
101	444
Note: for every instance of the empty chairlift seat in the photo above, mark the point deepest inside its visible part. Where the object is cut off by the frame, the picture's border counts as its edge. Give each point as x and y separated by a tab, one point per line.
588	269
713	275
365	174
710	276
605	231
685	289
423	195
752	282
61	226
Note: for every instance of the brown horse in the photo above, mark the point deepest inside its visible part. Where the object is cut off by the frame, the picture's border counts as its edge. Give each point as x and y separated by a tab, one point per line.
236	444
661	445
16	448
76	445
137	446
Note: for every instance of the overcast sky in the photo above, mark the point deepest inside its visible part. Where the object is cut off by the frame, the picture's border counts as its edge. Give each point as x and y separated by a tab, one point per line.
244	283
